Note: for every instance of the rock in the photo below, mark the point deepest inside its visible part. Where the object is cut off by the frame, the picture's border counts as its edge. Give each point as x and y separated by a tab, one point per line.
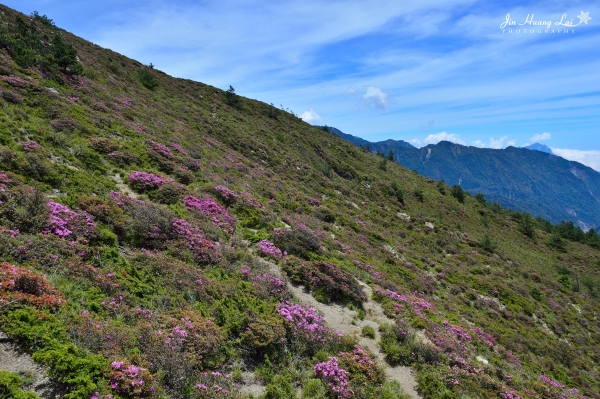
52	90
403	216
429	226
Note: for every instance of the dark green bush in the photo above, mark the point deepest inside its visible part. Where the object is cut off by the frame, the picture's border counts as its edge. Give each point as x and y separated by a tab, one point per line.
147	79
299	242
328	282
458	193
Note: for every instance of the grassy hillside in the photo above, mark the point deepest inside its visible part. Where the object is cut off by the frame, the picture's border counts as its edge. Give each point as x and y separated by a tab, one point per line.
143	219
536	182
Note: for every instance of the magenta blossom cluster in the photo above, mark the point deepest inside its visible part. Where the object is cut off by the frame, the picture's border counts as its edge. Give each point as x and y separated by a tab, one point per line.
391	294
226	195
178	148
204	251
250	201
550	382
267	248
29	145
179	335
271	284
215	384
334	376
146	181
208	207
161	149
305	323
64	222
131	380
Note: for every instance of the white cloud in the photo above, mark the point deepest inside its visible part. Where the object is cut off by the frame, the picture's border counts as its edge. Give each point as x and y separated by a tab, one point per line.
589	158
497	143
478	143
351	90
415	142
540	137
443	136
376	98
310	116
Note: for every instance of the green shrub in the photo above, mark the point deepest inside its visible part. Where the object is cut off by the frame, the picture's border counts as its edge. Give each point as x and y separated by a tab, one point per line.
458	193
299	242
368	331
419	194
487	244
147	79
480	198
314	388
10	387
329	282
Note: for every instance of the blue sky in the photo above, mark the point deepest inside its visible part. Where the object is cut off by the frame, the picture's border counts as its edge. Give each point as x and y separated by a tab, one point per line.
415	70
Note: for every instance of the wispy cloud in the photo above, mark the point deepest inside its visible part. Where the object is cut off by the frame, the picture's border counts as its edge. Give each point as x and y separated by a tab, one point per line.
376	98
540	137
589	158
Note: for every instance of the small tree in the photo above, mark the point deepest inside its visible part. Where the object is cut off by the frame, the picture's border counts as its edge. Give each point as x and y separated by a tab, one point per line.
480	198
526	225
487	244
390	156
458	193
231	98
147	79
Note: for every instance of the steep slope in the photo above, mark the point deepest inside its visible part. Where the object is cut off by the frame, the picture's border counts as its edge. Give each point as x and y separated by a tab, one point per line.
542	184
144	219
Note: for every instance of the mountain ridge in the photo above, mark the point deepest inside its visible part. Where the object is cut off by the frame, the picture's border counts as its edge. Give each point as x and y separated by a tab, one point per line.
518	178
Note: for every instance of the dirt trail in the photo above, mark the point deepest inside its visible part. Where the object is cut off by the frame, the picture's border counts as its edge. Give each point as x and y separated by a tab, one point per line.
343	319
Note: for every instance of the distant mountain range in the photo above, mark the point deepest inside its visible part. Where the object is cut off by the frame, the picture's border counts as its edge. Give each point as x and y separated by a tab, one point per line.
536	181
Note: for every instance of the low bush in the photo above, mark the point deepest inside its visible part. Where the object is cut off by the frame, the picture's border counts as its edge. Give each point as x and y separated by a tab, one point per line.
299	242
10	387
328	282
20	285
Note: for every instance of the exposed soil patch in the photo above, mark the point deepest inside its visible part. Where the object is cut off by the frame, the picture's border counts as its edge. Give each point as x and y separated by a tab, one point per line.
14	360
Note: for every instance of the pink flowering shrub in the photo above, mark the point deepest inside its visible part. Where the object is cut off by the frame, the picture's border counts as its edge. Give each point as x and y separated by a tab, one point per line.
214	384
29	145
64	222
179	347
362	367
267	285
159	149
306	326
190	237
219	217
267	248
143	181
130	380
335	377
226	195
19	284
178	148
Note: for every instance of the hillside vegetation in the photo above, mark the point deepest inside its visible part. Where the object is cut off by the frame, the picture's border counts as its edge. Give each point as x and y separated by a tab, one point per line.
143	217
536	182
